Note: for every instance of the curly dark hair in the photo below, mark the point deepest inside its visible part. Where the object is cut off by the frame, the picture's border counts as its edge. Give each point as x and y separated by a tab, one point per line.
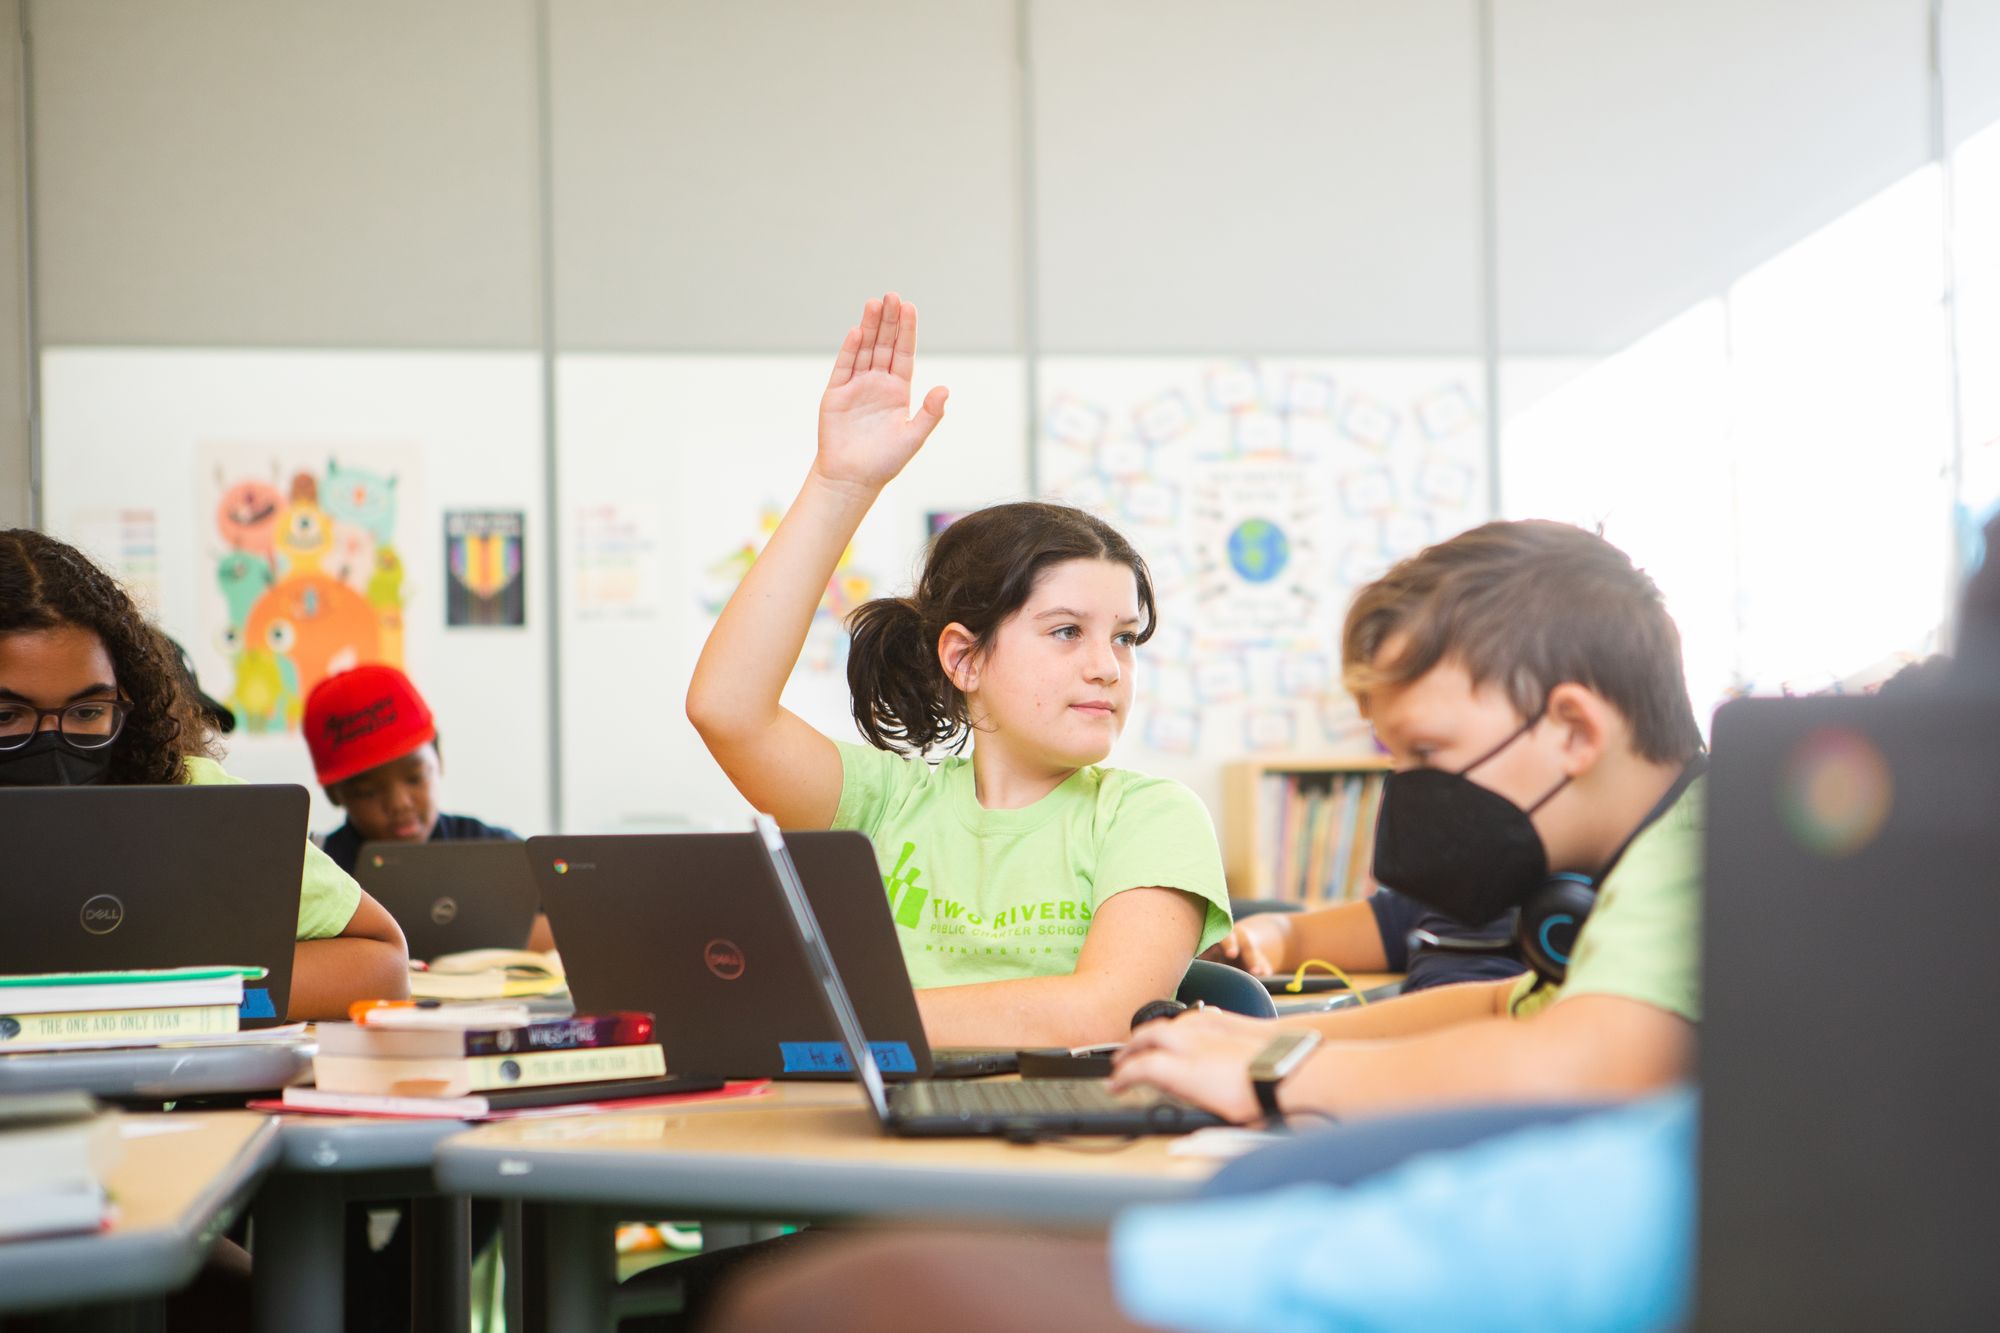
46	584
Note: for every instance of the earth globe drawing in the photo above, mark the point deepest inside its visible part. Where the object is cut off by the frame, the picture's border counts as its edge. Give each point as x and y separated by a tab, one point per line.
1259	550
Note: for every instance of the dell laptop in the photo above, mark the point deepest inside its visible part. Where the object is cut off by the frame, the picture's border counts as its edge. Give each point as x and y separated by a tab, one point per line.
1851	1001
102	879
1028	1110
684	926
453	896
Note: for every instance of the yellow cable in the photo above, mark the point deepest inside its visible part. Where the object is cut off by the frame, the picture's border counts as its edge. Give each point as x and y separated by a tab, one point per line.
1298	981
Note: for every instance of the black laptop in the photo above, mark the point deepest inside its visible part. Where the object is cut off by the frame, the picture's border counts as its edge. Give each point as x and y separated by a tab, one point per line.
1852	979
98	879
684	926
1028	1110
453	896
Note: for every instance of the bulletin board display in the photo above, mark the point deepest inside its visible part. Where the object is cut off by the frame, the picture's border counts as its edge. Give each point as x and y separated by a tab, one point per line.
287	515
1262	493
672	473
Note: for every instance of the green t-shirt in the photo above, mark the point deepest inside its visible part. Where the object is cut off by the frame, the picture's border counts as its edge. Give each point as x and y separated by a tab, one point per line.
328	895
1643	938
995	895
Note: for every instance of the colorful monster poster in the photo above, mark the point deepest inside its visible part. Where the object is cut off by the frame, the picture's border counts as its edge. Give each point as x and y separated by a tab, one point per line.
484	583
305	572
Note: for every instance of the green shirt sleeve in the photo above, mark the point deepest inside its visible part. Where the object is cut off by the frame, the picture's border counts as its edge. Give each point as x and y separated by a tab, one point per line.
1160	836
328	895
873	784
1643	939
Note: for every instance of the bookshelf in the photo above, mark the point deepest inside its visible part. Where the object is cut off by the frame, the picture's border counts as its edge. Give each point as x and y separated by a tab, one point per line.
1301	829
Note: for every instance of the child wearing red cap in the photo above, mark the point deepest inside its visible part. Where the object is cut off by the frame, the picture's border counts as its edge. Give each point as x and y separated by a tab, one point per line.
374	748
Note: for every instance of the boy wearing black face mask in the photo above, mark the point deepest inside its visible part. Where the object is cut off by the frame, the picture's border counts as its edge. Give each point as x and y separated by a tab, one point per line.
1526	680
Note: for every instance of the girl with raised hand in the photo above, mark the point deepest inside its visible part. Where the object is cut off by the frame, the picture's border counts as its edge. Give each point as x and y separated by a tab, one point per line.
92	692
1040	898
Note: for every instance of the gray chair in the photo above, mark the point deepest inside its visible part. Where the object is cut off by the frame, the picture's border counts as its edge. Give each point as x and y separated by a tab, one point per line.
1221	986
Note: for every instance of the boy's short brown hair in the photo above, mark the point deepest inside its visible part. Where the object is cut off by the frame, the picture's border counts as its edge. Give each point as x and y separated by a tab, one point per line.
1529	605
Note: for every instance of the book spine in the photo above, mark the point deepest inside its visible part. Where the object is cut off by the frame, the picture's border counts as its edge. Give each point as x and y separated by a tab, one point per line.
540	1068
456	1078
562	1034
106	1024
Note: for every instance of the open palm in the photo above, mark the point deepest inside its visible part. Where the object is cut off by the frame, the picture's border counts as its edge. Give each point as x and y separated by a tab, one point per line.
866	431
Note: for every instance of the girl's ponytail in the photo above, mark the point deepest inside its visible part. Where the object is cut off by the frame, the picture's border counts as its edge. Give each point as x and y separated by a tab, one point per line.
902	700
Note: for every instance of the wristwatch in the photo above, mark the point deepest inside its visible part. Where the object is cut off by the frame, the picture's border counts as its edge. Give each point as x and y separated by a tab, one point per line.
1280	1056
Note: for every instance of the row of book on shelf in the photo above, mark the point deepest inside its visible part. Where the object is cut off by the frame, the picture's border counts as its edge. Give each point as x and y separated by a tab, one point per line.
1319	834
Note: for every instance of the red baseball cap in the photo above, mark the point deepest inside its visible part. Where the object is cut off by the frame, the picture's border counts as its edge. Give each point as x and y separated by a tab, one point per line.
362	718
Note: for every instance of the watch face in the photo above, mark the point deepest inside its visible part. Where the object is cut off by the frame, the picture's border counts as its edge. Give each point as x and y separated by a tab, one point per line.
1281	1055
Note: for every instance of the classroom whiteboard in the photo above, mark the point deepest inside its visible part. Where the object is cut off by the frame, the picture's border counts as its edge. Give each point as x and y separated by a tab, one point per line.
139	444
672	472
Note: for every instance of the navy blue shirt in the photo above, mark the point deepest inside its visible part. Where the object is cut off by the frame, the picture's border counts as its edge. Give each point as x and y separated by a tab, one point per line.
344	844
1396	916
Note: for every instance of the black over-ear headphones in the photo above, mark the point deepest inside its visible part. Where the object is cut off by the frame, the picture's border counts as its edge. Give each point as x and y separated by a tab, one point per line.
1545	929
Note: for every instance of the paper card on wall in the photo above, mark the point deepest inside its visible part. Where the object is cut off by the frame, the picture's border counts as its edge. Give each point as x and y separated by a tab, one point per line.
1268	729
1449	411
303	546
1089	492
617	554
1258	433
1304	675
1444	482
1122	457
1234	388
1075	422
1170	645
1164	418
1361	564
1151	502
1369	423
1342	726
1405	533
126	542
1369	492
825	649
485	568
1310	395
1221	679
1173	730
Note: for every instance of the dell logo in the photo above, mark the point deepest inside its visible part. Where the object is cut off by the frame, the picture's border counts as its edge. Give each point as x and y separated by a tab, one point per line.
443	910
103	914
723	958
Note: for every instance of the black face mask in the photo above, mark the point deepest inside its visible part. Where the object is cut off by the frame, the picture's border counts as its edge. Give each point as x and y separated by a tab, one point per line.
1457	847
46	761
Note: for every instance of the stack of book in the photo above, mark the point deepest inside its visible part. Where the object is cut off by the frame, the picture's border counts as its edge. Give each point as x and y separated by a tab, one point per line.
467	1061
55	1150
1321	834
85	1010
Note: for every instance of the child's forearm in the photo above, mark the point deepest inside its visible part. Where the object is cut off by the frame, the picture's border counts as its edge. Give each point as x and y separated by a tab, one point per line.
328	975
756	641
1032	1011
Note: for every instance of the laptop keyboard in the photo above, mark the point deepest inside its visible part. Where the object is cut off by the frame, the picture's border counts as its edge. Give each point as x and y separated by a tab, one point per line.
1036	1096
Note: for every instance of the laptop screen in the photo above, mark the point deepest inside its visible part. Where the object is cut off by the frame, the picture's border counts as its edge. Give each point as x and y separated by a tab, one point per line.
839	1007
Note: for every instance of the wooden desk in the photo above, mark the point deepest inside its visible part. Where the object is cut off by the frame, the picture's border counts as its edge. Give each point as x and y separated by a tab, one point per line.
182	1181
803	1151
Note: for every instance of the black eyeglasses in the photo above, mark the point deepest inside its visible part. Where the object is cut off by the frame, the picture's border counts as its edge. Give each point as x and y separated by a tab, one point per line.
90	725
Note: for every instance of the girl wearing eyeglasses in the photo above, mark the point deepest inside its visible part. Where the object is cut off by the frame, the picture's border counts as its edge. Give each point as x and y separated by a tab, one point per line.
92	693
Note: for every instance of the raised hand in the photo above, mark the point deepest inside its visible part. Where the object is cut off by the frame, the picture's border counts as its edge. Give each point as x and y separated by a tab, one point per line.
866	431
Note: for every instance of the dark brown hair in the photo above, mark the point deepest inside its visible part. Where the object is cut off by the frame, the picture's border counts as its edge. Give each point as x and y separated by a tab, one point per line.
46	584
977	573
1529	606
